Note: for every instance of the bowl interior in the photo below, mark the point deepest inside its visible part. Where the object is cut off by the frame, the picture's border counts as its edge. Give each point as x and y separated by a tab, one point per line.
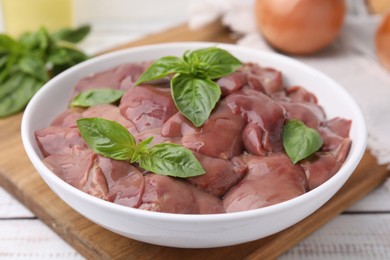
53	99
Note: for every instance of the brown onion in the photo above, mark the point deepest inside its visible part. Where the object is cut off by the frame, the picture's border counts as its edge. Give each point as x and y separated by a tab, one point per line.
378	6
382	41
300	26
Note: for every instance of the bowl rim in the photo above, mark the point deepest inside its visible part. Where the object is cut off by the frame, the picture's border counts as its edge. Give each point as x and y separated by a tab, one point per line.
352	161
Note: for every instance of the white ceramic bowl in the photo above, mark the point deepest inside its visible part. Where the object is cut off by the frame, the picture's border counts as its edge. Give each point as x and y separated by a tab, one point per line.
194	231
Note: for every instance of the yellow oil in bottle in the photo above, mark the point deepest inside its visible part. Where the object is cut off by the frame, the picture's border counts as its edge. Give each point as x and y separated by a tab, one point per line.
29	15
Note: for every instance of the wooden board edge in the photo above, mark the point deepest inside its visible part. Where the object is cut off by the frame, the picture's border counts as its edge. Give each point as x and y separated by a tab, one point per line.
182	33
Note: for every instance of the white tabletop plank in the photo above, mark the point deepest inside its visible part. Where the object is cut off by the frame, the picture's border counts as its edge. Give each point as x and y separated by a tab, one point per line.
347	237
11	208
31	239
378	200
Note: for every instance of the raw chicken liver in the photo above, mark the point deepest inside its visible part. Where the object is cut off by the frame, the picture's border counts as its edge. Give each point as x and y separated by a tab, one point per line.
269	180
240	146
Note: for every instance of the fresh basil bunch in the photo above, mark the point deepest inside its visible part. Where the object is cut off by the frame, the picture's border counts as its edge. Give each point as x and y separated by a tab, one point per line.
193	89
112	140
28	62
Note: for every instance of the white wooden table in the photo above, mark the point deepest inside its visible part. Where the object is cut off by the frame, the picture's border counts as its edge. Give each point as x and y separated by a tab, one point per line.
361	232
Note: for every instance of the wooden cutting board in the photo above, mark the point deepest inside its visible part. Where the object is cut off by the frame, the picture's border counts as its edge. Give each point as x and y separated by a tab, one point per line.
18	177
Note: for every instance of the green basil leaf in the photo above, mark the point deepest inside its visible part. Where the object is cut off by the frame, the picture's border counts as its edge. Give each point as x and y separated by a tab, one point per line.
16	92
172	160
300	141
214	62
72	35
58	56
30	40
8	66
3	61
66	55
57	69
11	83
94	97
34	67
7	44
195	98
162	68
37	44
45	39
107	138
63	58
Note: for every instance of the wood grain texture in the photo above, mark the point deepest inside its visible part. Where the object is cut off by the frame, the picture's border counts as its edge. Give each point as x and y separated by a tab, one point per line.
18	177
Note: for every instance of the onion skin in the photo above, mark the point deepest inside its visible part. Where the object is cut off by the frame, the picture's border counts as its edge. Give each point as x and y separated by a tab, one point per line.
382	41
300	26
378	6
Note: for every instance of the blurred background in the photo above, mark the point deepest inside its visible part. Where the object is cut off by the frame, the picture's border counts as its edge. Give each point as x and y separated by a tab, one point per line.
119	21
112	22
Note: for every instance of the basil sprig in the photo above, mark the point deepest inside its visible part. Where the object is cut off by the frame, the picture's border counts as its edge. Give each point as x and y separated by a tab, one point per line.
112	140
194	92
92	97
300	141
28	62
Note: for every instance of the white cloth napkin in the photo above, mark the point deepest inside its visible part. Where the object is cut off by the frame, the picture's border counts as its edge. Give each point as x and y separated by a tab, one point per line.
350	59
